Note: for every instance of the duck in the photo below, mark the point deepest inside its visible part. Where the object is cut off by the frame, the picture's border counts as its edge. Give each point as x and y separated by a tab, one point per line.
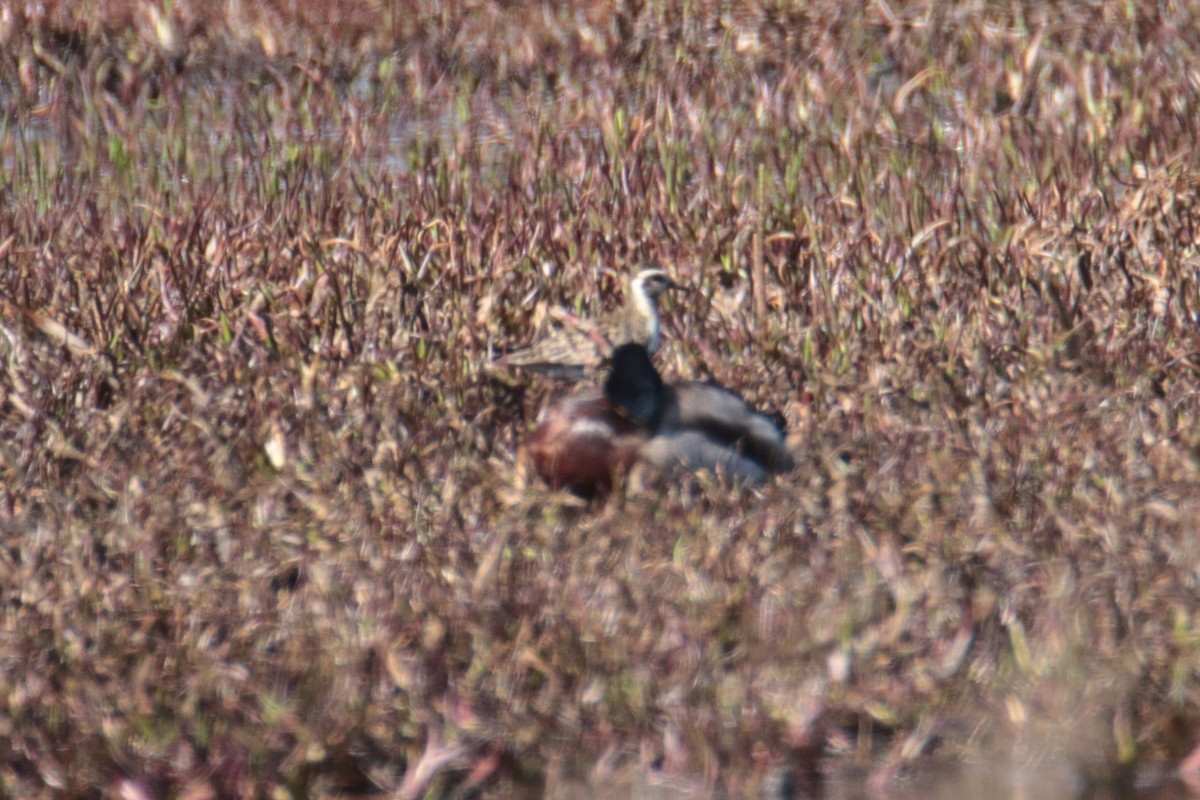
584	441
574	352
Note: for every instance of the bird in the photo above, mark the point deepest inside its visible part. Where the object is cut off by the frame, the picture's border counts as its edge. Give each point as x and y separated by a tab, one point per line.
584	441
573	352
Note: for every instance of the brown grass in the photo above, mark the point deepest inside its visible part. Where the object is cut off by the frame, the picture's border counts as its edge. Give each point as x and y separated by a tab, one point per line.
267	524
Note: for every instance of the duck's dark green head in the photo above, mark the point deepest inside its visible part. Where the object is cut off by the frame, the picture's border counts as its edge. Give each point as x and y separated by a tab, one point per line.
634	386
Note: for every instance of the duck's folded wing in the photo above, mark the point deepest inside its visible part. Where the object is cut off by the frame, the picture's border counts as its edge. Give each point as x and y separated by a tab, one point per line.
692	451
723	416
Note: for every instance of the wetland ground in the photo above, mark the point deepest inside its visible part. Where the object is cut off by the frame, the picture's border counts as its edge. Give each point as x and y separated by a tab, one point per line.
266	527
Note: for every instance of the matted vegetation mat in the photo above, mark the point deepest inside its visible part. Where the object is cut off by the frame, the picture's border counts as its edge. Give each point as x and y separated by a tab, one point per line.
268	529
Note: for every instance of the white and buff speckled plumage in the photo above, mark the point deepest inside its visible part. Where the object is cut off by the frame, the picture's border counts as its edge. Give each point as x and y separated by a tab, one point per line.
580	348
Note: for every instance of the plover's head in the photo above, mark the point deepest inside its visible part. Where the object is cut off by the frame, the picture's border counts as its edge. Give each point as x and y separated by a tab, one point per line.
652	282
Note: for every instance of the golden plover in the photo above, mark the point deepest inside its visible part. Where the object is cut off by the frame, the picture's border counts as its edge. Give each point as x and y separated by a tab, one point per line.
583	346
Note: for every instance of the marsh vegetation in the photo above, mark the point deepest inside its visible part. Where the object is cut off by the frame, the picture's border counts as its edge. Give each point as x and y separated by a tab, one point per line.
268	528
